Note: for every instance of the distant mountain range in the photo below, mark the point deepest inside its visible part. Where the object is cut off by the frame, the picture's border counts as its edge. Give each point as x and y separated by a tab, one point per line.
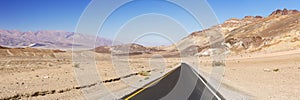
49	39
280	31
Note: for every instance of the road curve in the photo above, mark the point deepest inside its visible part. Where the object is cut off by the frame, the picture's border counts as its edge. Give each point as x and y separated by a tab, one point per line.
182	83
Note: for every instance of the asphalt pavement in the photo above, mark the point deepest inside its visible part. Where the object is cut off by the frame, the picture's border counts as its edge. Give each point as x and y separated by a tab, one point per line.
182	83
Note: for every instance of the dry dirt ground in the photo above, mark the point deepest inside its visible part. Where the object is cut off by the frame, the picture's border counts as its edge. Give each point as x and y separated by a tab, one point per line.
261	76
274	76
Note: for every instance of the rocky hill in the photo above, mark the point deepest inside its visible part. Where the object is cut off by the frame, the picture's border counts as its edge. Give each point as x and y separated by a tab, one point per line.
279	12
277	32
133	49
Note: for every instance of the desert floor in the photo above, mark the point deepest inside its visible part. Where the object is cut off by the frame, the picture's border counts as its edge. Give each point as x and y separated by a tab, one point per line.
261	76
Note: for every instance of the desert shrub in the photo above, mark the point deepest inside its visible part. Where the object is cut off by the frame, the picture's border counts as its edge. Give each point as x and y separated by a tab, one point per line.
218	63
76	65
144	73
50	65
276	70
170	66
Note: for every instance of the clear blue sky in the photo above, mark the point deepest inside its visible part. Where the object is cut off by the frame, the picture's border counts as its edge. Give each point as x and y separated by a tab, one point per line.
41	14
36	15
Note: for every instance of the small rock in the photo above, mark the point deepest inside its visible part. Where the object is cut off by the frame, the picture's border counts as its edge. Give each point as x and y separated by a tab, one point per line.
267	70
50	65
45	77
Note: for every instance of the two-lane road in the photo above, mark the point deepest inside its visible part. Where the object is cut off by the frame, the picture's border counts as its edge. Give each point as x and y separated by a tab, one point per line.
182	83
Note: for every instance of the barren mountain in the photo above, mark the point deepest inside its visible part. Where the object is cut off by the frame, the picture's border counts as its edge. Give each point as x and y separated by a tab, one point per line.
133	49
48	39
277	32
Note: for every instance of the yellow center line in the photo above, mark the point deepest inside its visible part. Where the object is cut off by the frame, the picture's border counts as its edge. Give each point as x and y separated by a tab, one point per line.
147	86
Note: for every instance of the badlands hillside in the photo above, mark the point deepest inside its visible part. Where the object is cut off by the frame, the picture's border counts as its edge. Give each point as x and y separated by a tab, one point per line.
279	31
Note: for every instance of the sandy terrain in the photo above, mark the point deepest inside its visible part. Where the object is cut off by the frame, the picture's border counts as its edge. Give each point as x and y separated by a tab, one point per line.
260	76
272	76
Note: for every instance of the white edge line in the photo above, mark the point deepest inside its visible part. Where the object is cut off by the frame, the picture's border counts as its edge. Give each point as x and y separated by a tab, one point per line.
207	86
203	81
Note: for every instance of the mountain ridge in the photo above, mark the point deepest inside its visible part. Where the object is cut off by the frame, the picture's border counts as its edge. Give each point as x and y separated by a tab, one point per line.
51	39
249	34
